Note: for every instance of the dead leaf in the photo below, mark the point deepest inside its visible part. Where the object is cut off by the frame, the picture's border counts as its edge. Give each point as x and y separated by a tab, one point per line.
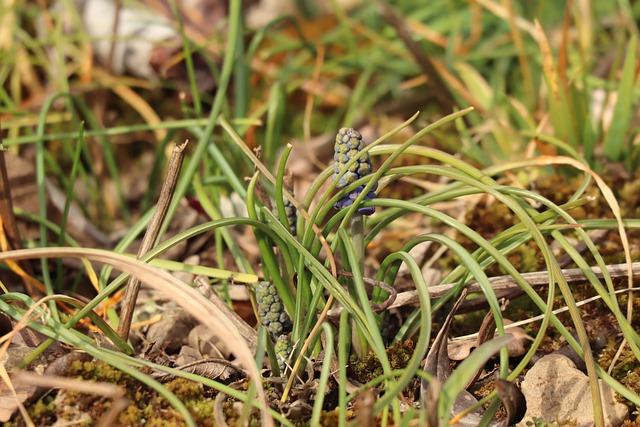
8	402
460	349
512	399
28	392
214	369
206	343
438	365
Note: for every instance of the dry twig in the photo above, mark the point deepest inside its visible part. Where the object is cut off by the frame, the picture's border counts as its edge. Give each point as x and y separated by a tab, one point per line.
9	220
437	85
507	284
149	239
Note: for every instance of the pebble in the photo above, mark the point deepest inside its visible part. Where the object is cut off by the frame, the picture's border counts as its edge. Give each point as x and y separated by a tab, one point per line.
556	391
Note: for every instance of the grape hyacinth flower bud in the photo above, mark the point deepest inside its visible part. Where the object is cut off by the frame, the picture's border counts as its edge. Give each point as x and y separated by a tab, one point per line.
271	310
283	348
292	215
348	145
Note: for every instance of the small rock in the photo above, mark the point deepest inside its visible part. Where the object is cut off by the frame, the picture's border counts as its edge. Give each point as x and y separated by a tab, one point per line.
171	332
187	355
202	339
556	391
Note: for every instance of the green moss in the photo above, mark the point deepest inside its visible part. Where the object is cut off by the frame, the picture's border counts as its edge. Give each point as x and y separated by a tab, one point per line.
626	370
185	389
146	406
331	418
232	414
369	368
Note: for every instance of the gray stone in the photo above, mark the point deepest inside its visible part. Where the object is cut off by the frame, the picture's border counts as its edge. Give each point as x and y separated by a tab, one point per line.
556	391
171	332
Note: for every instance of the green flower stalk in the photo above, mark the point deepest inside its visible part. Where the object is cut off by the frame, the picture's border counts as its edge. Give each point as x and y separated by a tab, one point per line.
271	310
349	144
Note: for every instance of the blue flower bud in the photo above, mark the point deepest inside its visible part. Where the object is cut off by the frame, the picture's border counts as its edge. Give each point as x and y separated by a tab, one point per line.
348	145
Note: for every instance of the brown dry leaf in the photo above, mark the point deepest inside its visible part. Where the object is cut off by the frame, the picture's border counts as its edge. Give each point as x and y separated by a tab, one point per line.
213	369
438	365
14	356
460	349
168	62
512	399
437	362
22	181
207	344
8	402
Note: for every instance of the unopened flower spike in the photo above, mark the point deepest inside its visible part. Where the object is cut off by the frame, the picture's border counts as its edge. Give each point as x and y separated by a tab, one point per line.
289	209
348	145
283	349
271	310
292	215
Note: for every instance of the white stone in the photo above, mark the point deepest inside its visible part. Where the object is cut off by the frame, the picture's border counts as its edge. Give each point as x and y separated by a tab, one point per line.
556	391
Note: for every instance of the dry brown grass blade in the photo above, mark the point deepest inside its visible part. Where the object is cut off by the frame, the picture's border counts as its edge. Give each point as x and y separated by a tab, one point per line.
547	61
305	346
188	298
500	12
131	98
563	54
523	58
427	33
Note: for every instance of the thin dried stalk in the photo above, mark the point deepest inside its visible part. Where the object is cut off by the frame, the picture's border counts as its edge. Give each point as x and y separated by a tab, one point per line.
9	221
149	239
508	284
436	83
